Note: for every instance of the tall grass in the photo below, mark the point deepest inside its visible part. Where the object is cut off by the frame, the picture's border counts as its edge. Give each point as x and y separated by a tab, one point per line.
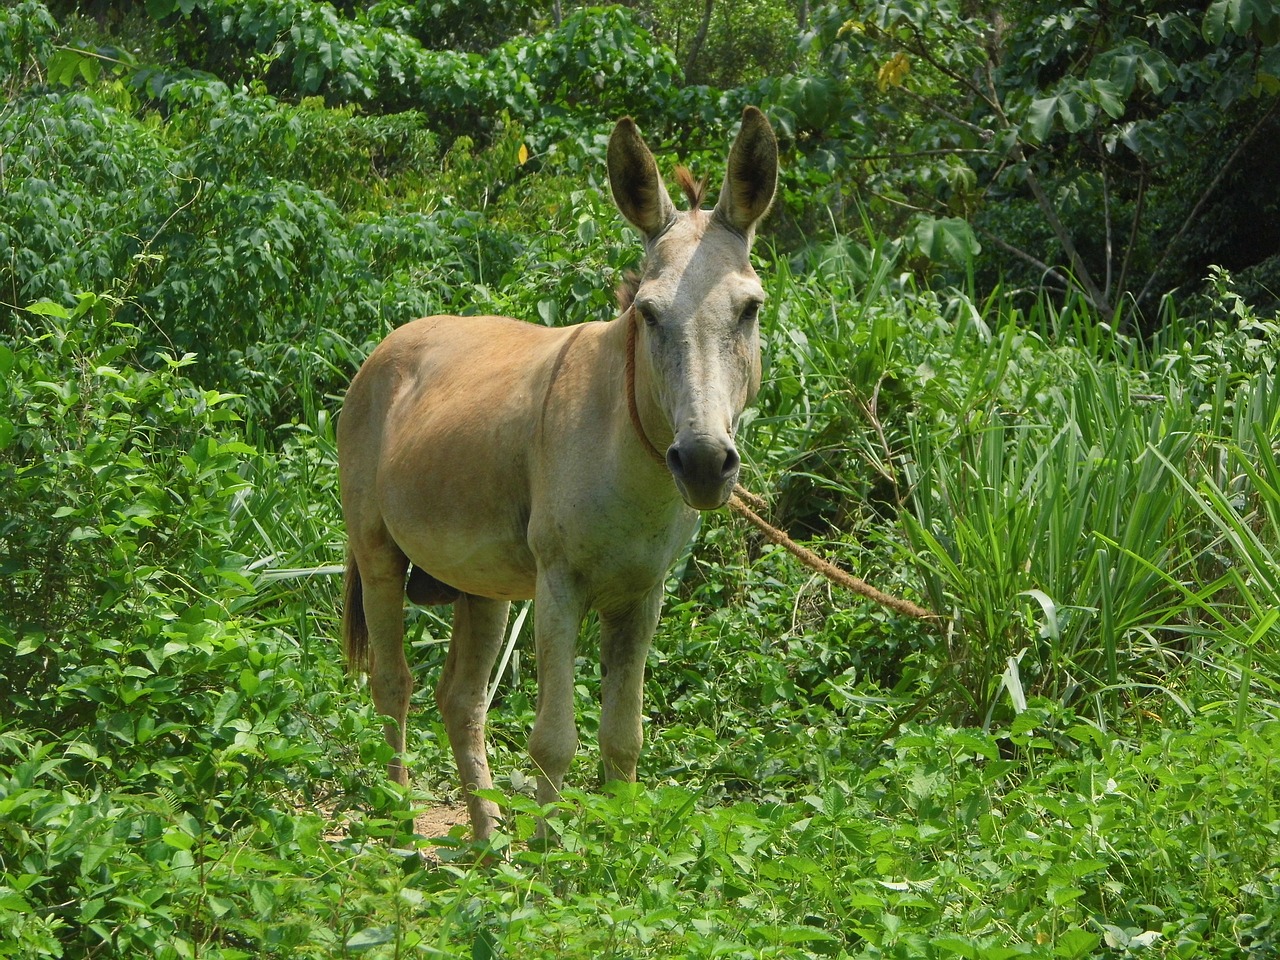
1040	531
1094	516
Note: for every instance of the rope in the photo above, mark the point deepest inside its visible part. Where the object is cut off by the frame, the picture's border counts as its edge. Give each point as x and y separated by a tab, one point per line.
825	567
742	500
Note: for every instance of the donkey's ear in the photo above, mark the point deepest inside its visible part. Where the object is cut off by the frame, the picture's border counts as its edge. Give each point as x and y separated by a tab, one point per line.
633	177
752	176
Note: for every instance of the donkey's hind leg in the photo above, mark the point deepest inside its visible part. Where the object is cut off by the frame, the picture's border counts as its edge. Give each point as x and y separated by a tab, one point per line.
478	628
382	573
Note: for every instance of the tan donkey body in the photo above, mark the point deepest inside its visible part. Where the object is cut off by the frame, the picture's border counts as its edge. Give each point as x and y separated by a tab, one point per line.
504	461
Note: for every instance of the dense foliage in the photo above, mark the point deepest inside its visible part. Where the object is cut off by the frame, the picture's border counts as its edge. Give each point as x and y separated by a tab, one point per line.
210	211
1118	148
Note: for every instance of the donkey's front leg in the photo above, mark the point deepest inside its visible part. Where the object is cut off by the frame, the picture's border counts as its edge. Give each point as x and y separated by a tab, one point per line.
558	609
624	644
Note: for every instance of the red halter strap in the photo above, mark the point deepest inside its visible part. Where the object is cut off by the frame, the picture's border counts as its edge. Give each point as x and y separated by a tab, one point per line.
631	391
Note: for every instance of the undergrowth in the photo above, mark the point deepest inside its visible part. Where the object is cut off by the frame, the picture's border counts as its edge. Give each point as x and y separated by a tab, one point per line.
1080	760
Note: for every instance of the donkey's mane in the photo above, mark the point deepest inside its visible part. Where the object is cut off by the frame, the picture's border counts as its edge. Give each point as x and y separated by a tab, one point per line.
695	191
627	287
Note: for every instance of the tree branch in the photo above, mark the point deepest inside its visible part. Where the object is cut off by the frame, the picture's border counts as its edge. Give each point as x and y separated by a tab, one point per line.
1106	217
1078	268
1080	271
1139	209
1019	252
921	50
1204	198
941	152
920	98
696	47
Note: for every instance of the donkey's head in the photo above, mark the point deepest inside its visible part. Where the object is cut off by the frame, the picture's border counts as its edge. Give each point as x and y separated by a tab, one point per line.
697	300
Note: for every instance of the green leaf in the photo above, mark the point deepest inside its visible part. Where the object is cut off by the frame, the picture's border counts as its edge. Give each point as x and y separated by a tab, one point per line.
983	745
1039	122
1074	112
1215	21
957	946
1155	70
1071	107
1269	69
1025	722
47	308
66	64
484	947
1269	32
798	934
1075	943
1120	67
371	937
1240	17
945	239
1109	97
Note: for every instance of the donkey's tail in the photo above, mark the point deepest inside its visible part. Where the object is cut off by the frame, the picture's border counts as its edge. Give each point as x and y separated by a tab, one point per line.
355	631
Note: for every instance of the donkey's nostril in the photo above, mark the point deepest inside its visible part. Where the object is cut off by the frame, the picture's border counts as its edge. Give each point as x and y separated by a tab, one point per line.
674	463
731	462
703	468
708	463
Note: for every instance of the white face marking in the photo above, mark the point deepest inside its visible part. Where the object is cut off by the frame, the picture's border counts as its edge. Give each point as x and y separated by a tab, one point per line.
698	304
699	298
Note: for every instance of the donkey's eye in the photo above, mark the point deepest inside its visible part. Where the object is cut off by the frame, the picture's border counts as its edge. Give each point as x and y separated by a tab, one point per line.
749	313
647	316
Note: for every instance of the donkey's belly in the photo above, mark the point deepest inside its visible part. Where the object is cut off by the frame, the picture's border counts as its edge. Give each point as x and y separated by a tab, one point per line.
483	561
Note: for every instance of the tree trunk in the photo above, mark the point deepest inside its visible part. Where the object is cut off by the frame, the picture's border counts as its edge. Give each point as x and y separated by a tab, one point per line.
695	48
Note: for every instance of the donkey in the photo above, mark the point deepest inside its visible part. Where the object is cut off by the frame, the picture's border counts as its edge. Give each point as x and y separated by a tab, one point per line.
484	460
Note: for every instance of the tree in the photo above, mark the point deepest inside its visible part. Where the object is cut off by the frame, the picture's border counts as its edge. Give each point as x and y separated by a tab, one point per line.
726	45
1088	144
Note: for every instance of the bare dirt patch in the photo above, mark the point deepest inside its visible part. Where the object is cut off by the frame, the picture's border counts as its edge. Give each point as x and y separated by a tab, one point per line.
436	821
431	823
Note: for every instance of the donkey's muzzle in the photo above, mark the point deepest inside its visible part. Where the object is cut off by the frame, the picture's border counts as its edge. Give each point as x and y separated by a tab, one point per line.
705	470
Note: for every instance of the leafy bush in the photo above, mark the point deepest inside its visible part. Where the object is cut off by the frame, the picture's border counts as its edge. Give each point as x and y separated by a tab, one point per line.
26	41
1057	771
71	167
118	484
555	81
149	732
216	240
